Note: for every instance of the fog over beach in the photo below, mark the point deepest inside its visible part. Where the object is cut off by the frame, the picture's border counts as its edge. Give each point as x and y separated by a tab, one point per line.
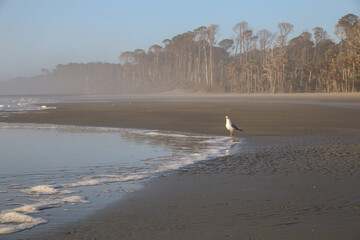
114	120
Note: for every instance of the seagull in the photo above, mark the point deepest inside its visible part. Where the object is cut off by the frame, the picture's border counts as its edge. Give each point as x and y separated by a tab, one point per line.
230	126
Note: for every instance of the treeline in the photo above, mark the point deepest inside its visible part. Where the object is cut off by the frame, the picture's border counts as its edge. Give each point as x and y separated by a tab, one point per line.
250	62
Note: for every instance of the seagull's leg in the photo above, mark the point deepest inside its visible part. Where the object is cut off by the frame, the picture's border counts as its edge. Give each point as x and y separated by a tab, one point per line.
231	133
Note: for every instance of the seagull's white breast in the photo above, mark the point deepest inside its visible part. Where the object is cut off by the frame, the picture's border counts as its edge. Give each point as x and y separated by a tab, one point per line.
228	125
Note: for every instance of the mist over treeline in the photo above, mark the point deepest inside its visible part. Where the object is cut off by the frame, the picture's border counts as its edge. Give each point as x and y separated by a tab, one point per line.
251	62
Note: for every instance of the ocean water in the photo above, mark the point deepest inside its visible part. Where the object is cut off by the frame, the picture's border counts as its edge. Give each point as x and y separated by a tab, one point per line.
51	174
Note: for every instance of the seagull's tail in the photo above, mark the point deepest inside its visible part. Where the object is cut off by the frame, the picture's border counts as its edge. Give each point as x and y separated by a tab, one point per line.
240	130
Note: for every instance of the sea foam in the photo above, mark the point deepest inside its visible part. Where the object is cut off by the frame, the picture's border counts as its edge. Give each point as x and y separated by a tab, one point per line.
45	190
15	220
16	104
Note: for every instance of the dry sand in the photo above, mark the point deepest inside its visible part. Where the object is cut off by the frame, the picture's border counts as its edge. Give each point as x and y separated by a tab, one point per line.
296	176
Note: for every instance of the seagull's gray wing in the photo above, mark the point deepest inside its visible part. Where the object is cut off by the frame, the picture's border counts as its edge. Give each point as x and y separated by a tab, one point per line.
236	127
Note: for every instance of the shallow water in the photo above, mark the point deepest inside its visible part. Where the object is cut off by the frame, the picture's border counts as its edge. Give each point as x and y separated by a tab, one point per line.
53	174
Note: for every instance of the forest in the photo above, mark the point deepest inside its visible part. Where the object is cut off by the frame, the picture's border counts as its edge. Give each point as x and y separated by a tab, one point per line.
251	62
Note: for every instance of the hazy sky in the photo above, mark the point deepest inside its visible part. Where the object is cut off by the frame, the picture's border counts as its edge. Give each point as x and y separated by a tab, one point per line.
39	34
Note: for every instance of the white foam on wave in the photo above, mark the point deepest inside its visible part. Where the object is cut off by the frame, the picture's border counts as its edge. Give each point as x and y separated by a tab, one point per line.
105	179
46	203
16	219
190	159
16	104
216	147
45	190
12	222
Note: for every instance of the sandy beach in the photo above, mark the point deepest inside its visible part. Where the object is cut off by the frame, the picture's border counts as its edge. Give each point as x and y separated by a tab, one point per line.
259	115
296	176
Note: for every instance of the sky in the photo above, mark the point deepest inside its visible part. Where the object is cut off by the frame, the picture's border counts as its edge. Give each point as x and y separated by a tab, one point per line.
38	34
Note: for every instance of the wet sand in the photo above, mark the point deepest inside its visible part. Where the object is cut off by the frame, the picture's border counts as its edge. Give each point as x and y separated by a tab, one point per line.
296	176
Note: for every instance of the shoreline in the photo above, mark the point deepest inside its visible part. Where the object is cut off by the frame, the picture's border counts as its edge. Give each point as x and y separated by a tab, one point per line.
289	192
297	178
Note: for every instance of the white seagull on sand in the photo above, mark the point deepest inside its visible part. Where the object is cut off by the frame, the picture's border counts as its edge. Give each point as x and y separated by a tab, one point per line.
230	126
